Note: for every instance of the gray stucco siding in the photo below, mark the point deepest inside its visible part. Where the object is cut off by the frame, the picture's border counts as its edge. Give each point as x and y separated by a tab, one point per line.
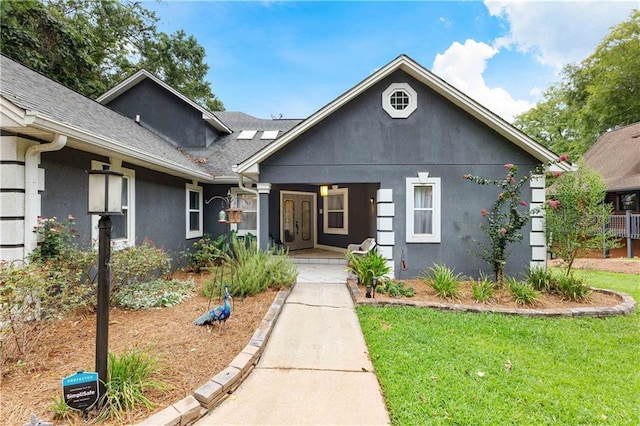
66	188
360	143
159	205
166	114
161	210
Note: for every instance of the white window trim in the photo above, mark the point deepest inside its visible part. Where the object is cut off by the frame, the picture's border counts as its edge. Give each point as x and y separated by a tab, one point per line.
189	188
119	243
235	192
325	220
399	113
412	237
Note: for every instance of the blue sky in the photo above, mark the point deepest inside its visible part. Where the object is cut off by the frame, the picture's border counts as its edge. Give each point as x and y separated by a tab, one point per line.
273	58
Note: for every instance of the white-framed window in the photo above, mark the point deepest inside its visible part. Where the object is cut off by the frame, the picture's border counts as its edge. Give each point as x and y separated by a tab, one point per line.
336	211
122	226
248	203
399	100
423	210
193	211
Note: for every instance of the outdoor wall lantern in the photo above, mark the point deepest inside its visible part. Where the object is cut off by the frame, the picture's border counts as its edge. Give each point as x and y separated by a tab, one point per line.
104	199
324	190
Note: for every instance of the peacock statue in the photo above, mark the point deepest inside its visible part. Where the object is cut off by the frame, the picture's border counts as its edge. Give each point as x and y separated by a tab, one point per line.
219	313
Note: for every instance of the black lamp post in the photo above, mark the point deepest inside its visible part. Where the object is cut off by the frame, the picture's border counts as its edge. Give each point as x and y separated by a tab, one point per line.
105	199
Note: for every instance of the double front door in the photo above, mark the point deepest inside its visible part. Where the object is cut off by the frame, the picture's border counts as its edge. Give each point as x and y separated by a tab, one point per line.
297	220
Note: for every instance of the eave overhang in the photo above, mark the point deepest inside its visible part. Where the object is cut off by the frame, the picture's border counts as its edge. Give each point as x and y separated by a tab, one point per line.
33	124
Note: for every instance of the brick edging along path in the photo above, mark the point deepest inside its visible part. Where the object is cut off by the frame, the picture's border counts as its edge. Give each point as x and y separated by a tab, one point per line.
215	390
625	307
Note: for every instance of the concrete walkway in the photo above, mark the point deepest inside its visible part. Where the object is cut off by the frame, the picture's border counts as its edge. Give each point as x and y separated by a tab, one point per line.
315	369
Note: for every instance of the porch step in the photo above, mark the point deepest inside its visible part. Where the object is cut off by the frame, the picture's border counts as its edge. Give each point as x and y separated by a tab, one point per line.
319	260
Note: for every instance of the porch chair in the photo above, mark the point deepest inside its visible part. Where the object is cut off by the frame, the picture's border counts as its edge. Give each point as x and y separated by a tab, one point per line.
363	248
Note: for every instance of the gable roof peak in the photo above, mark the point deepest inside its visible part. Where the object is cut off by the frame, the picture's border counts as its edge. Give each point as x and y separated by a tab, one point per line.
429	79
142	75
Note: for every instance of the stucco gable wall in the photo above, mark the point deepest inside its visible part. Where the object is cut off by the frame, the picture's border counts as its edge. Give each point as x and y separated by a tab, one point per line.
165	114
361	144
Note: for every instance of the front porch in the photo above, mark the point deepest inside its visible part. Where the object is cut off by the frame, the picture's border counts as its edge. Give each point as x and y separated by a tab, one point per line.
318	256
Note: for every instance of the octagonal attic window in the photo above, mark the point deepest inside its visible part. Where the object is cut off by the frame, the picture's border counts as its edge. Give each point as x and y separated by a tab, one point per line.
399	100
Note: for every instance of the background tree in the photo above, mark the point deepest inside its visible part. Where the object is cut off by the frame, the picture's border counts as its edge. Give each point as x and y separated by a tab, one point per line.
44	41
89	45
576	218
179	61
596	95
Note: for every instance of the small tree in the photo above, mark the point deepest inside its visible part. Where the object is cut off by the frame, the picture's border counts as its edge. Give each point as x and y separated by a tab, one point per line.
576	216
508	215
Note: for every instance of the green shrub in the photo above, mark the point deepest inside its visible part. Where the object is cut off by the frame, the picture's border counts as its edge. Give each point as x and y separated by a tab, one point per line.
61	411
572	288
206	252
443	280
394	288
522	292
129	376
365	267
155	294
55	239
541	279
33	292
483	288
253	271
138	264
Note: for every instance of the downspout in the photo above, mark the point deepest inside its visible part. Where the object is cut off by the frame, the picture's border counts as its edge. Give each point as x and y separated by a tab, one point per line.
31	180
254	192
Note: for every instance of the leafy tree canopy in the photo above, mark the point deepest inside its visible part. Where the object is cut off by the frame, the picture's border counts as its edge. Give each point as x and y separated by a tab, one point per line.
90	46
598	94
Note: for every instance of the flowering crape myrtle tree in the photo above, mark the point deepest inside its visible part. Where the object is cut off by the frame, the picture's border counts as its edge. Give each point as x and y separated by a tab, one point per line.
508	215
576	218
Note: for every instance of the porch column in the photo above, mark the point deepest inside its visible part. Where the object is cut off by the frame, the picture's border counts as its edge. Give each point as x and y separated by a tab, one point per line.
537	236
263	215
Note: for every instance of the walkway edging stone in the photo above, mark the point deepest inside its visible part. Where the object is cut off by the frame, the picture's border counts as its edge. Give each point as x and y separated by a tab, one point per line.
190	409
625	307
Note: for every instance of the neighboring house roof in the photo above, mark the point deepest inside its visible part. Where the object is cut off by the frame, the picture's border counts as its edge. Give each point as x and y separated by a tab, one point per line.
616	155
251	165
141	75
232	149
35	105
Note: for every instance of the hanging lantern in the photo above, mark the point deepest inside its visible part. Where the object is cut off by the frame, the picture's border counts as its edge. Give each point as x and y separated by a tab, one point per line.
222	217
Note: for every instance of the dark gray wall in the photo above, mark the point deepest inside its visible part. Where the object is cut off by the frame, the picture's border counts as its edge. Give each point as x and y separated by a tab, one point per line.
361	143
362	216
66	188
165	113
211	210
159	199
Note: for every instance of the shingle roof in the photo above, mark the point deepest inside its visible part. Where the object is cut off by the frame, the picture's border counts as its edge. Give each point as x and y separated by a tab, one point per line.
616	155
229	150
32	91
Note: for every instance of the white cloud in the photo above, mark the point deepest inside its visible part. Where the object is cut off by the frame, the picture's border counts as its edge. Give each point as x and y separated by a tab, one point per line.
558	32
462	66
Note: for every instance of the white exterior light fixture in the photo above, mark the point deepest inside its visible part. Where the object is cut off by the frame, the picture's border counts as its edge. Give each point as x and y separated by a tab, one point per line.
105	192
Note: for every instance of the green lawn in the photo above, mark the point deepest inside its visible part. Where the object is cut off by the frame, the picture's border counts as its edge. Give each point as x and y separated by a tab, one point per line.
487	369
